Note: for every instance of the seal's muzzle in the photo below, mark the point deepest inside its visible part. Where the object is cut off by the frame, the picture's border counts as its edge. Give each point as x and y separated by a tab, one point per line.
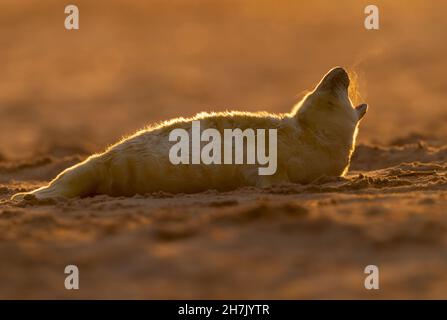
336	77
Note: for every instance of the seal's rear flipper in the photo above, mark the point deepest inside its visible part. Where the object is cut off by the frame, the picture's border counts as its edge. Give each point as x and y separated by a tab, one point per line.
77	181
41	193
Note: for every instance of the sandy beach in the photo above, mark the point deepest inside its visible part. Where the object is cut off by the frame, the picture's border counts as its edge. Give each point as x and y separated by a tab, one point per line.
67	94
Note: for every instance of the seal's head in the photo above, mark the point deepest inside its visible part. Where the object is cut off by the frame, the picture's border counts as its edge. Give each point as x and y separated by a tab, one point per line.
328	109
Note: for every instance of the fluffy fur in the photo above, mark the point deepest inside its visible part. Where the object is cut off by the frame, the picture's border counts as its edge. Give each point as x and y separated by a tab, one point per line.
317	138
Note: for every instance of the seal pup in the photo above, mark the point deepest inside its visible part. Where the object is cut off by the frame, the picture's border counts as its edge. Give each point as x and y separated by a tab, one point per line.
317	138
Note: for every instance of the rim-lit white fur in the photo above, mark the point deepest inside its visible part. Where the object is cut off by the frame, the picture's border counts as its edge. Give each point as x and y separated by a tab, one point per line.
317	138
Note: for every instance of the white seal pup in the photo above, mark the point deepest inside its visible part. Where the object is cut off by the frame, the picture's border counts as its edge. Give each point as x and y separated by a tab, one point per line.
316	138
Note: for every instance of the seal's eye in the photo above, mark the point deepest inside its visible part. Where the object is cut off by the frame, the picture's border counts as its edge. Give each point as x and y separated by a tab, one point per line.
331	105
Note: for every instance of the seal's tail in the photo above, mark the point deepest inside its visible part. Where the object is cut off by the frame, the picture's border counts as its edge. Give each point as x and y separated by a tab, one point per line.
76	181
